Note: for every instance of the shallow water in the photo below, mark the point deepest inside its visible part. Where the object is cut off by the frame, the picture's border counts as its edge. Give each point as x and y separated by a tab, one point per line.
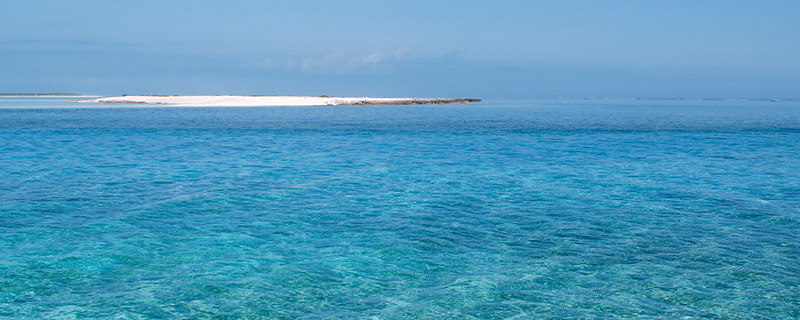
502	209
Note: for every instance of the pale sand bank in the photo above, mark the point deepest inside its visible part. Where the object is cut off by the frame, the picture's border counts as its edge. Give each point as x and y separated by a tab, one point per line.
265	101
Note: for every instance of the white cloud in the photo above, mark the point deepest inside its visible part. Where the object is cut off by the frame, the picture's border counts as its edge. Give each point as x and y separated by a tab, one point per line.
376	57
265	63
340	62
403	53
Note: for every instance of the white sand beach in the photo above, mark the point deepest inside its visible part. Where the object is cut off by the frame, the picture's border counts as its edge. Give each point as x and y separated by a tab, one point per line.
264	101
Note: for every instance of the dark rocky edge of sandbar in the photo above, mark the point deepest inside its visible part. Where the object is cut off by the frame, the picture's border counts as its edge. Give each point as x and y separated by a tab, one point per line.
414	101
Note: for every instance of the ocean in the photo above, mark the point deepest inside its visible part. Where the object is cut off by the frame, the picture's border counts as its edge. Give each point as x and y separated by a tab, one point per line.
505	209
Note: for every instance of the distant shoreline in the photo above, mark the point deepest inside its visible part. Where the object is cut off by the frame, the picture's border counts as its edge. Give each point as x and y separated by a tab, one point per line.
6	95
263	101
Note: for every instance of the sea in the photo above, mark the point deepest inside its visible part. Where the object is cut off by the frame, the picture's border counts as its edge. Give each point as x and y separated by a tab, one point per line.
503	209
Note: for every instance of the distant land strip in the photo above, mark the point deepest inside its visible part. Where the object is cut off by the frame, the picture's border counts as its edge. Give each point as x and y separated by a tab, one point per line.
411	101
263	100
48	94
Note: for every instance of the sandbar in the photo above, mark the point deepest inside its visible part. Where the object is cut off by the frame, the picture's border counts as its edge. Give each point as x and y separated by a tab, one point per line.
265	101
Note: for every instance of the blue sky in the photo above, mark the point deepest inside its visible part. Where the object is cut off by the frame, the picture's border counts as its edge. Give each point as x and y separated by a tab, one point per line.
488	49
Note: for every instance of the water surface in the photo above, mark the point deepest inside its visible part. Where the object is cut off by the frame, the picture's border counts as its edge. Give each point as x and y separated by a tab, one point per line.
502	209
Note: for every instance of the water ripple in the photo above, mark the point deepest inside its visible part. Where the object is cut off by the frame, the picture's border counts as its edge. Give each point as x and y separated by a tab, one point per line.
497	210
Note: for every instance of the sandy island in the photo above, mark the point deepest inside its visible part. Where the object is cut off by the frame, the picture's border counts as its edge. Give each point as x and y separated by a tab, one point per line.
264	101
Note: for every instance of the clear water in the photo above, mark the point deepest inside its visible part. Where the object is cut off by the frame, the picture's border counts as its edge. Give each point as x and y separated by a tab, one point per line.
498	210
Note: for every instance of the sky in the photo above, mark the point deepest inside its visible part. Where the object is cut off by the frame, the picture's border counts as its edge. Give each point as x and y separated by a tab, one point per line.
466	48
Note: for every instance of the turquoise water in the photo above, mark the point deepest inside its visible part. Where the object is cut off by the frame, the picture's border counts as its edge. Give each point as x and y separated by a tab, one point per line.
497	210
